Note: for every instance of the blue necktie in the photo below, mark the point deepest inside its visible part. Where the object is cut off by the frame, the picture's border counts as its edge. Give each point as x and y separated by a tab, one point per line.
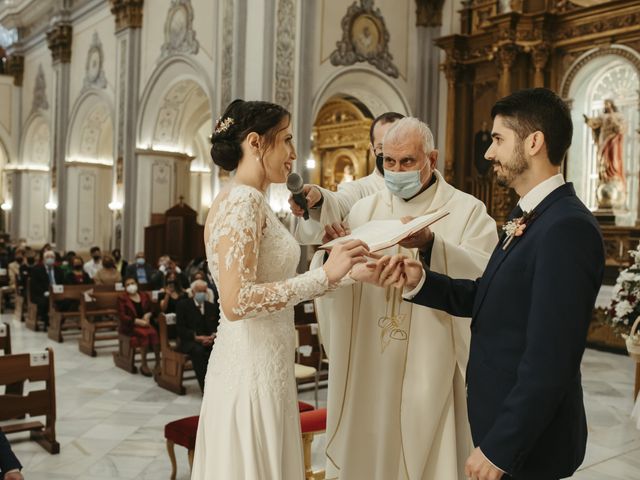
52	277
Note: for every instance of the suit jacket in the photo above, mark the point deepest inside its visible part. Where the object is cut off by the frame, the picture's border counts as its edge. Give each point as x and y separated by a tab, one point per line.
127	311
40	280
530	314
190	322
132	272
71	279
8	460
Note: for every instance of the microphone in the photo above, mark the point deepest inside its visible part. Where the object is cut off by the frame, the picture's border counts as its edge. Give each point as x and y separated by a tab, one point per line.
295	184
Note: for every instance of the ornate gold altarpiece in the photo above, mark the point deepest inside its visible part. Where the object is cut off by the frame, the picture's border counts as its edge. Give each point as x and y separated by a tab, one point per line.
537	44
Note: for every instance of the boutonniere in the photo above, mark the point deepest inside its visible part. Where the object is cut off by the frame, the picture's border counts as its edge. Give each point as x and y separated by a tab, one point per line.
515	228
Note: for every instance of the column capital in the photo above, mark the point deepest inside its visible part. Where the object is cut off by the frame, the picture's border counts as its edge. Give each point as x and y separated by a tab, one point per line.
540	55
506	55
59	39
452	70
15	68
128	13
429	13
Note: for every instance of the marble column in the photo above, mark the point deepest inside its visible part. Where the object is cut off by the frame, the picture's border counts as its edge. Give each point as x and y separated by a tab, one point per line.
59	39
128	19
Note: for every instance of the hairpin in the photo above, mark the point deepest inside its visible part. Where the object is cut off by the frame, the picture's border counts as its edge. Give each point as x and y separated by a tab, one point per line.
223	125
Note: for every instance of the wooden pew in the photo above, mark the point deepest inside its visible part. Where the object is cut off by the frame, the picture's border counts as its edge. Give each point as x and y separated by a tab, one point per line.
64	320
32	311
34	367
5	338
172	362
98	320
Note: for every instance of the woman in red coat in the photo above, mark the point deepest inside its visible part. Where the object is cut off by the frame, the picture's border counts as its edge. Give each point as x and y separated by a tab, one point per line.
135	321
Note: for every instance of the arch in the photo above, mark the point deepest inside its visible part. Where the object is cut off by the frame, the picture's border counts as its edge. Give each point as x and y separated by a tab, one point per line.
369	86
578	88
168	75
91	124
35	147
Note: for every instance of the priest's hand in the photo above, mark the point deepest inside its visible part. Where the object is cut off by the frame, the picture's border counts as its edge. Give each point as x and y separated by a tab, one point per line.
420	240
478	467
335	230
343	257
313	196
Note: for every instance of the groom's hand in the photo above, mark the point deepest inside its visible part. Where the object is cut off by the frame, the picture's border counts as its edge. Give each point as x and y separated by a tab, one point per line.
478	467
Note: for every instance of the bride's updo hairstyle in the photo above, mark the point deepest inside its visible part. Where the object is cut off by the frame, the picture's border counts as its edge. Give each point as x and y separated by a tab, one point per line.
240	119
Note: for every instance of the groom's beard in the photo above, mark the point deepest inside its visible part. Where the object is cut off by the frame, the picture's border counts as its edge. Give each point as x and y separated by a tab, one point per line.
511	170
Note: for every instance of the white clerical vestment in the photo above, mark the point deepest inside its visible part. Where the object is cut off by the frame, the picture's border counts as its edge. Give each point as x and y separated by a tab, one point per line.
336	206
397	399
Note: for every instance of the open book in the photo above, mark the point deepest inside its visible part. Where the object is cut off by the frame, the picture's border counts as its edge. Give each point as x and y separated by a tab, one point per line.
381	234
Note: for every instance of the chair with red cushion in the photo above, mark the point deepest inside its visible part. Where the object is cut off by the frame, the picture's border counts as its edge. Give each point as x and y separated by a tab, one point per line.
183	432
311	423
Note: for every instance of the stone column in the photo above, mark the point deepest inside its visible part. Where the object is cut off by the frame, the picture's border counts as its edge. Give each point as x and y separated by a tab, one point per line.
15	68
540	55
59	39
128	19
428	23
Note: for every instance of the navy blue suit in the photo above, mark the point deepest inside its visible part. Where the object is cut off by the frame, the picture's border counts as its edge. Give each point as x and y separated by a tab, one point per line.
530	314
8	461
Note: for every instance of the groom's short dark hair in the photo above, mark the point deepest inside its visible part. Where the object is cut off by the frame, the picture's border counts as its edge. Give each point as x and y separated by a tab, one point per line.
538	109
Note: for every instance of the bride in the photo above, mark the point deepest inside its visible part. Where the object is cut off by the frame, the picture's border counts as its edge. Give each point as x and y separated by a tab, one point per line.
249	424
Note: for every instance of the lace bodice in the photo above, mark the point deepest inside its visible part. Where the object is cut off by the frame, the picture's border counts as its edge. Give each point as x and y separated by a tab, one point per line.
253	260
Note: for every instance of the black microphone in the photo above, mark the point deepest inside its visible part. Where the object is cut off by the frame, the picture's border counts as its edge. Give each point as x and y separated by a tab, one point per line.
295	184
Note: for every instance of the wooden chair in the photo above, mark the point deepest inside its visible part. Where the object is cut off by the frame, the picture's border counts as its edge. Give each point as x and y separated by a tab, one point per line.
312	423
34	367
98	320
173	363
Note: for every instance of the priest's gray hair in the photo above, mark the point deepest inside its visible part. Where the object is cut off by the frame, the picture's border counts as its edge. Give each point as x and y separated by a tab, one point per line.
199	283
403	128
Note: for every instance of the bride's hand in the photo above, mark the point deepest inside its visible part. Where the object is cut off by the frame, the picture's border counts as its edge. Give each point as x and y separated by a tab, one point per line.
343	257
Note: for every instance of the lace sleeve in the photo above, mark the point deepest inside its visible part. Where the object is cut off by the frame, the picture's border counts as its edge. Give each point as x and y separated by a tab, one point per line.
236	242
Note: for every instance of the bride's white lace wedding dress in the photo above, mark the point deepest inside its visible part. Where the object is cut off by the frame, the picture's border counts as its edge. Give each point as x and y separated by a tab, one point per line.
249	422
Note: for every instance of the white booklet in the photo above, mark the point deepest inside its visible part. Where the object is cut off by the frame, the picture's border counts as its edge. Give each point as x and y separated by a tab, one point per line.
381	234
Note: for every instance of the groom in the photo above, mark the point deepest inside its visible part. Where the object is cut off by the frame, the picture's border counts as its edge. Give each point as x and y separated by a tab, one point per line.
531	308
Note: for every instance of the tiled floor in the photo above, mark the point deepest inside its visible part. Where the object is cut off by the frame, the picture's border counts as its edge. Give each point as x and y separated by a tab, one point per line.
110	423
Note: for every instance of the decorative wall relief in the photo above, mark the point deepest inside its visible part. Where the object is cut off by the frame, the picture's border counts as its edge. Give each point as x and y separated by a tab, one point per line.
227	54
179	35
285	50
94	66
40	92
161	186
86	214
365	38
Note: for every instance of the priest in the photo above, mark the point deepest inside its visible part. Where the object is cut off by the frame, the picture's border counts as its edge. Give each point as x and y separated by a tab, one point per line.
396	398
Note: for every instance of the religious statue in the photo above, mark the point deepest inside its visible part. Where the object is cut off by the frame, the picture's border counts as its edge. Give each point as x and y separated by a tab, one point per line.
608	132
347	174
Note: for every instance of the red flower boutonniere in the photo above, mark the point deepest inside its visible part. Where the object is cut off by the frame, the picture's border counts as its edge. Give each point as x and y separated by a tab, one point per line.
515	228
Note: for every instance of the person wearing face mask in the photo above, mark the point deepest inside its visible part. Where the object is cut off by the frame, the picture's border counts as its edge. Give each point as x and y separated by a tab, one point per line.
77	275
44	276
134	309
200	275
108	274
92	266
396	389
327	207
140	269
197	322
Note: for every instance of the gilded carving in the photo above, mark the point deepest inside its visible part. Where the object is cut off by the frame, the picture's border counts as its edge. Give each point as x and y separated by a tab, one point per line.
540	55
429	13
59	39
15	67
128	13
365	38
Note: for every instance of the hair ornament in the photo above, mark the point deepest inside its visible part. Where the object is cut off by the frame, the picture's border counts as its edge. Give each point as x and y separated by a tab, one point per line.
223	125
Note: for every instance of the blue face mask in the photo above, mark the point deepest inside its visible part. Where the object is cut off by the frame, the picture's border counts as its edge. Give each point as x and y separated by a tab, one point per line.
200	296
140	261
49	261
403	184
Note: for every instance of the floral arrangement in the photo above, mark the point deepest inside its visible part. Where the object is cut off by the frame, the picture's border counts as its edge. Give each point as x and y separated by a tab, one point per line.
625	304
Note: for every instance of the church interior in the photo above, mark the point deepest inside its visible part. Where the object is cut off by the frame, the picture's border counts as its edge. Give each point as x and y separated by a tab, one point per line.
107	108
